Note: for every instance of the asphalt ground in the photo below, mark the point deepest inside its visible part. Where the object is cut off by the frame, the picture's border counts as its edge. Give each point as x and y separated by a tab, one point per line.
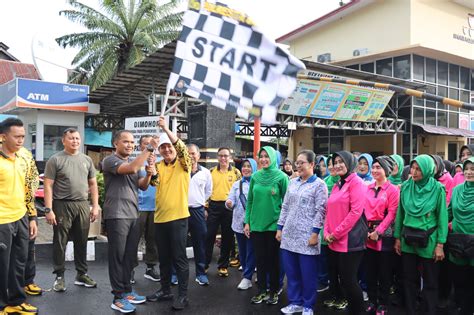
220	297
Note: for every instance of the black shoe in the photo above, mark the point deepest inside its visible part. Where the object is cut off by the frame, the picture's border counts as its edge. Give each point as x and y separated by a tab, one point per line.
180	303
160	295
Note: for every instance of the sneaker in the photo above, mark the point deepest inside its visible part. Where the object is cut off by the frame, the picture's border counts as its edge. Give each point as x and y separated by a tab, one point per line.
329	302
159	296
134	298
23	308
244	284
33	289
59	284
222	272
174	280
273	299
234	262
292	308
322	287
180	303
341	305
259	298
370	308
241	268
123	306
381	310
85	280
365	296
152	275
132	277
202	280
307	311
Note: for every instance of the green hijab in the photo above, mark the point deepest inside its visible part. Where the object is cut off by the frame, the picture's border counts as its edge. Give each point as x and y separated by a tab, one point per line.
397	179
419	198
465	211
270	175
331	180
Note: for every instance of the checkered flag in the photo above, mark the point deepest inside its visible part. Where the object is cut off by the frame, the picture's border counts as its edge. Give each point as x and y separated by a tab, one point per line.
224	60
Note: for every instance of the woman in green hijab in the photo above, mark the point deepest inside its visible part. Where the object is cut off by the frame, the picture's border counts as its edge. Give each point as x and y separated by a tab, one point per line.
461	216
396	176
421	228
265	197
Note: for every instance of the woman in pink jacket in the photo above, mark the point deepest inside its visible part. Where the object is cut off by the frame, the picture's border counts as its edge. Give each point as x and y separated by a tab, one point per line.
465	153
380	209
345	228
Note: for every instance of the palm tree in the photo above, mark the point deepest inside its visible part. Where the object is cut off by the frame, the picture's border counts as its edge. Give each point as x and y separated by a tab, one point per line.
119	37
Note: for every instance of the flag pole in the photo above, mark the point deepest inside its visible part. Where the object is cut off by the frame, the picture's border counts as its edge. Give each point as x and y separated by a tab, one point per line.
256	137
165	102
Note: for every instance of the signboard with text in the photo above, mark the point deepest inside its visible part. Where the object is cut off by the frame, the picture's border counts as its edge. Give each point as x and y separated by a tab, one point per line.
140	126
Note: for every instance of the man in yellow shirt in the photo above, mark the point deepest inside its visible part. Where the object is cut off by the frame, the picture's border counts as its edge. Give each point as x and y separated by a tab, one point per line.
15	230
223	177
171	215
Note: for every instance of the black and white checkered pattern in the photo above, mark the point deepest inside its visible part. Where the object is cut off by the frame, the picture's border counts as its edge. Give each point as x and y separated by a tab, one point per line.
232	65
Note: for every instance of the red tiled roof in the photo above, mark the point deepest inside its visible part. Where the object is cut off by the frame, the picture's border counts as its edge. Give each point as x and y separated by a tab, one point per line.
10	70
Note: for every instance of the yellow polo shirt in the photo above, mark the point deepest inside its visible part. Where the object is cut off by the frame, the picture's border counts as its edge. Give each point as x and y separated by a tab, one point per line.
222	182
13	172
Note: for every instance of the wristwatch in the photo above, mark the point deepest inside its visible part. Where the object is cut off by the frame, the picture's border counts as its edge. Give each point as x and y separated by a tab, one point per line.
47	210
150	148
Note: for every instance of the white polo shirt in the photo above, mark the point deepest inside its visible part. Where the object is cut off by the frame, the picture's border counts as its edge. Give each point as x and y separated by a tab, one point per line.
200	187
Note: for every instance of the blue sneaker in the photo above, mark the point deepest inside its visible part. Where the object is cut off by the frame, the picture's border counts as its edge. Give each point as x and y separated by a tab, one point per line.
202	280
134	298
174	279
123	306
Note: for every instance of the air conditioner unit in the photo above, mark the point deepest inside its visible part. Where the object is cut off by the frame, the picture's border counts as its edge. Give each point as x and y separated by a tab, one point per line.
323	58
360	52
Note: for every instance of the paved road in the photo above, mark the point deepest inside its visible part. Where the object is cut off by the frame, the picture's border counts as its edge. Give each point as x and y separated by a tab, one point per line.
221	297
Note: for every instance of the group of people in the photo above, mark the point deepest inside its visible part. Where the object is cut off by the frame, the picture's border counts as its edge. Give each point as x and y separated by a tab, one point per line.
351	223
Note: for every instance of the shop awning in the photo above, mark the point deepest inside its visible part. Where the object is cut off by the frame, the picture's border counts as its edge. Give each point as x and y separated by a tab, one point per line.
98	139
446	131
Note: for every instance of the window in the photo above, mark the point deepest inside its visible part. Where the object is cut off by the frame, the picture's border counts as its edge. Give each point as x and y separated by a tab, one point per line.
472	80
418	115
368	67
432	90
442	118
453	93
453	76
464	96
53	140
355	67
430	70
401	67
418	68
431	117
442	73
384	67
464	78
453	120
443	92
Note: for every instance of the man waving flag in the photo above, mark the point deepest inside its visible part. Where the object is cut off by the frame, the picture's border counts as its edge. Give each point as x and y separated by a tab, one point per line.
223	59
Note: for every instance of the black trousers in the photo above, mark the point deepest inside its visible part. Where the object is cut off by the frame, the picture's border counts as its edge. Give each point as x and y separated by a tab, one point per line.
73	218
463	278
379	275
13	253
347	268
171	240
219	215
123	237
267	257
147	230
411	277
30	268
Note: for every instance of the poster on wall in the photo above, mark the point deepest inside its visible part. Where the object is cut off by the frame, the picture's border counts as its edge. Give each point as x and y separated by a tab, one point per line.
464	121
337	101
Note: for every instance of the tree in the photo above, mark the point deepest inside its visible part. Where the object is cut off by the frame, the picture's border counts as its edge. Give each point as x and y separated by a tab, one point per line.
119	37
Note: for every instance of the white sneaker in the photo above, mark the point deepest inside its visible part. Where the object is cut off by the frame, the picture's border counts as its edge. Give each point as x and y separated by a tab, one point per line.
245	284
291	309
365	295
307	311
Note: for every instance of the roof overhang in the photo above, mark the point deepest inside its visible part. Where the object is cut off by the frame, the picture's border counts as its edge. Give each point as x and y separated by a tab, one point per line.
332	16
446	131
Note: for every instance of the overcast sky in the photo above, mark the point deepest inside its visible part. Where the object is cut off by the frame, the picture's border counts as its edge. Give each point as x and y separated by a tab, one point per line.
21	20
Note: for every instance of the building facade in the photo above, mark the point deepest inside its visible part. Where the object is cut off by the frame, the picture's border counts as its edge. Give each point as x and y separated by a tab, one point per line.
430	42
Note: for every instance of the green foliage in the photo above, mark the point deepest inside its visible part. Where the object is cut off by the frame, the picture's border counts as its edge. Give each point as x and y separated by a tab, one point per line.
118	37
101	186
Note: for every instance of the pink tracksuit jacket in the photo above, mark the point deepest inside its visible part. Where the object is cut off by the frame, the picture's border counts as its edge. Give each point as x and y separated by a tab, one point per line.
344	218
458	179
448	183
381	206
